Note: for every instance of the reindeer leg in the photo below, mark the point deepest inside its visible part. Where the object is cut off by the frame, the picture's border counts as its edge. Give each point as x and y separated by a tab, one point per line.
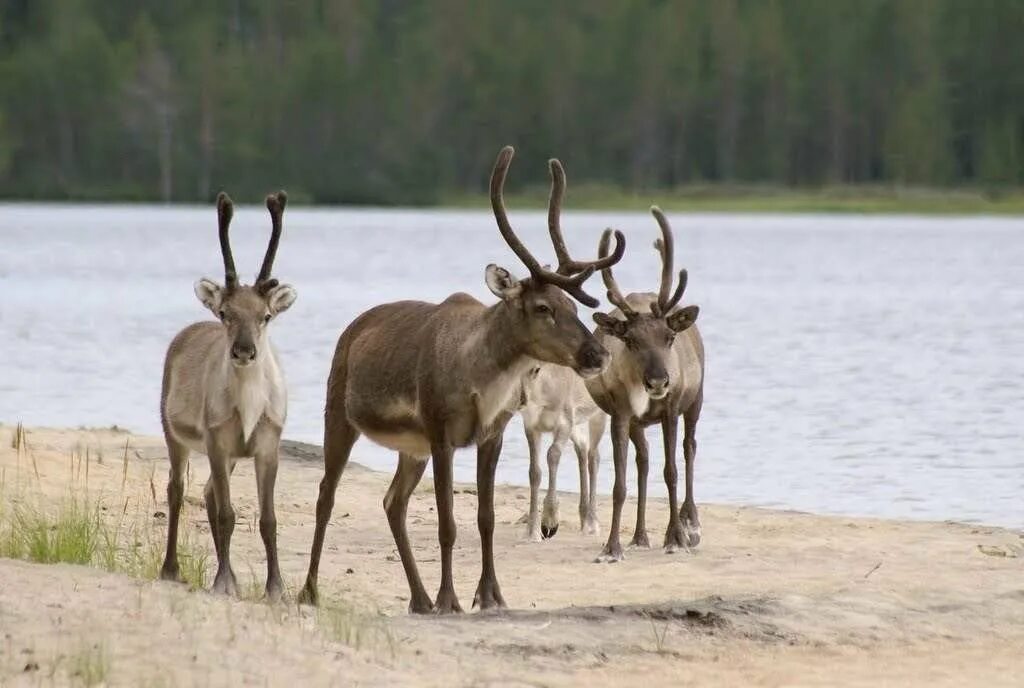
488	593
220	487
339	436
674	533
612	551
447	602
549	520
396	504
266	477
597	425
178	455
636	434
533	518
688	513
582	448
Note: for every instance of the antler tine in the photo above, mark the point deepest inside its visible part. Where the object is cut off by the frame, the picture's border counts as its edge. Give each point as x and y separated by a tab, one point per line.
665	246
498	206
571	284
555	214
614	293
225	211
566	265
275	204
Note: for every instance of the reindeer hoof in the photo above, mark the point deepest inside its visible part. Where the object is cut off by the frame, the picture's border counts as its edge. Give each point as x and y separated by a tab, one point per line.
309	595
447	603
610	555
488	596
590	528
171	573
640	540
424	606
691	535
548	531
225	584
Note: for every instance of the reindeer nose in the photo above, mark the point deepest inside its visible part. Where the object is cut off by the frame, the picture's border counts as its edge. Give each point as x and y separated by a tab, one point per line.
243	353
592	359
656	384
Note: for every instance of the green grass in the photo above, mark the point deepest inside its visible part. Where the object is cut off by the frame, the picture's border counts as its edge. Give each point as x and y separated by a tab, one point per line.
90	666
767	199
359	629
76	532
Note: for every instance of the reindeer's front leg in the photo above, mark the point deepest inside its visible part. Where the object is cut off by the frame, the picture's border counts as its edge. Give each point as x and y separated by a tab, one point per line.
488	593
674	533
636	434
533	517
222	515
447	602
266	475
612	551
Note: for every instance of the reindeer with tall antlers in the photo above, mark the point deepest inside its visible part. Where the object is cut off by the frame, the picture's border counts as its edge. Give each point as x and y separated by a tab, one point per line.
224	395
656	375
424	379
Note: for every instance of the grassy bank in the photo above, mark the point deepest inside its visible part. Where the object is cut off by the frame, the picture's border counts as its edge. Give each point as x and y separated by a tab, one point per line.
766	199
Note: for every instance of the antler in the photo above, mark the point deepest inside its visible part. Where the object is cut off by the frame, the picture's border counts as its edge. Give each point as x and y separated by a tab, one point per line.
275	204
614	293
570	282
665	247
225	210
566	265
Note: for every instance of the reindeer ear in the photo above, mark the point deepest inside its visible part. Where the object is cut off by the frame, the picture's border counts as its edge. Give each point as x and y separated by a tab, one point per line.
613	325
281	298
210	294
683	318
502	283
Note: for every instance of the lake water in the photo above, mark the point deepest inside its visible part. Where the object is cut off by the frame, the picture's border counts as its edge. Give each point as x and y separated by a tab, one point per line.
856	365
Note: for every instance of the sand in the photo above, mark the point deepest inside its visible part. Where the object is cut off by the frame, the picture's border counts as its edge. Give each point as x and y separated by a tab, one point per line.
770	598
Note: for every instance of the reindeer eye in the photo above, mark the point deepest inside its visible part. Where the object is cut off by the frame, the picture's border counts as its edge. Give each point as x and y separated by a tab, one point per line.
542	309
223	316
266	318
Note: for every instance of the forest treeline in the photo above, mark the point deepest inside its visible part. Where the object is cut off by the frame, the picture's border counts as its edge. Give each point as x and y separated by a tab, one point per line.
404	101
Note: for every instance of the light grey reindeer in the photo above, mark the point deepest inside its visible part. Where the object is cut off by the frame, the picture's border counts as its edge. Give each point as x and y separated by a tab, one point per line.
556	401
656	375
224	395
424	379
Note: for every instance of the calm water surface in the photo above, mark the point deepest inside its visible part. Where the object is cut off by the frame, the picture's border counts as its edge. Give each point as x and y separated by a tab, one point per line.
856	365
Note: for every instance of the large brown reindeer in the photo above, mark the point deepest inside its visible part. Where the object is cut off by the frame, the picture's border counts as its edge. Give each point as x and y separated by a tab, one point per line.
424	379
656	375
224	396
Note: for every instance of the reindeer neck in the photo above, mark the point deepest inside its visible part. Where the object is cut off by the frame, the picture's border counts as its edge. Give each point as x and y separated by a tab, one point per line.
493	350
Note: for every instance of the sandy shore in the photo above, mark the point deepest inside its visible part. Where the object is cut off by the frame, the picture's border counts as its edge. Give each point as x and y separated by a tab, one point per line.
769	598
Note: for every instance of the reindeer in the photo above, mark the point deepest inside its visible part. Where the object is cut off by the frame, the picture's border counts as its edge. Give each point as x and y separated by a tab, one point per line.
556	401
656	375
224	395
424	379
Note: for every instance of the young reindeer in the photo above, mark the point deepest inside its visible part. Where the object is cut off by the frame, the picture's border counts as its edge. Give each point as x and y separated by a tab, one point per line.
556	401
656	375
424	379
224	395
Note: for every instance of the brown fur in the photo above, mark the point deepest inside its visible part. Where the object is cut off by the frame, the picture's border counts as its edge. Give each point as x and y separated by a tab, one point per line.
223	394
425	379
656	375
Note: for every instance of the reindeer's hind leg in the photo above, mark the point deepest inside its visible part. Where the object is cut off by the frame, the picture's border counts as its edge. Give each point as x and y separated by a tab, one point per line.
339	436
688	512
178	455
588	514
636	433
396	502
